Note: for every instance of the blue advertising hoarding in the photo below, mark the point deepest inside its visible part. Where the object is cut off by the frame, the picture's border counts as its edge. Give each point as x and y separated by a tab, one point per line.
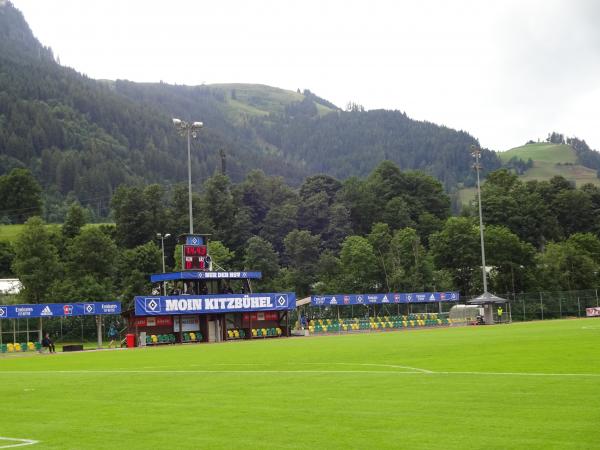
157	277
379	299
59	310
208	304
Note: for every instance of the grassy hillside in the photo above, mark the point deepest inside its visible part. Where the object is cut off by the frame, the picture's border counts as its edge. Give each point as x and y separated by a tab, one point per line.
549	160
9	233
259	99
542	152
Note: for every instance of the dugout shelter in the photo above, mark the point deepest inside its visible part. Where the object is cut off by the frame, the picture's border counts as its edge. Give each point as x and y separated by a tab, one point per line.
13	337
355	312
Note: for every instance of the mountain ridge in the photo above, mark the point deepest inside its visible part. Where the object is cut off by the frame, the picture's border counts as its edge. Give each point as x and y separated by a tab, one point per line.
84	137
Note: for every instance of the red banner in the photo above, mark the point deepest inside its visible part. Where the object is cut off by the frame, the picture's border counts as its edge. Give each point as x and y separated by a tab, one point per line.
154	321
260	316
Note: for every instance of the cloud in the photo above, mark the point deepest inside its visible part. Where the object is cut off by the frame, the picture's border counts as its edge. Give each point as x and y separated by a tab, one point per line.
506	71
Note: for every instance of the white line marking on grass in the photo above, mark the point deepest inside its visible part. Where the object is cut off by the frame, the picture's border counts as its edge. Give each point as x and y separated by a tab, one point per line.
406	370
392	366
20	442
117	372
523	374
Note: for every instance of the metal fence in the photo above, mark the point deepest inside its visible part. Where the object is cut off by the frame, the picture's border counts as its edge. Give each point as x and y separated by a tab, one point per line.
550	305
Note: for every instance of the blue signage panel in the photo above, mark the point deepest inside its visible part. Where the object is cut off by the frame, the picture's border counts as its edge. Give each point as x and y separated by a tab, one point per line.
223	303
157	277
195	239
59	310
378	299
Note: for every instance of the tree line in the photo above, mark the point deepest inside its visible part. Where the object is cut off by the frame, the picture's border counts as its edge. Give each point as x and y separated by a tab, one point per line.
389	231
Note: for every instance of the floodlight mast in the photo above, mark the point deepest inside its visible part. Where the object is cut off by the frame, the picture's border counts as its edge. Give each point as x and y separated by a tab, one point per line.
162	238
476	153
191	130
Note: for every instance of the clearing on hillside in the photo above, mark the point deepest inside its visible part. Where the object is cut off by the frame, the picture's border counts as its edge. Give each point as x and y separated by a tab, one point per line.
550	160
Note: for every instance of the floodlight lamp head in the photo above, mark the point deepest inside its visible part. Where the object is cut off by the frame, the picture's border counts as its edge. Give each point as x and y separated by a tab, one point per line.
177	122
197	125
168	235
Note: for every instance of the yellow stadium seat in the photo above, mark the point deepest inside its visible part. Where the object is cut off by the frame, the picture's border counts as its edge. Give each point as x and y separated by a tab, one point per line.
279	331
17	347
30	346
154	339
311	328
10	348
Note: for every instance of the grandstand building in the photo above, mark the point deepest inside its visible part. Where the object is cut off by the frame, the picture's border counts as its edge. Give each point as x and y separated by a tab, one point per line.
199	304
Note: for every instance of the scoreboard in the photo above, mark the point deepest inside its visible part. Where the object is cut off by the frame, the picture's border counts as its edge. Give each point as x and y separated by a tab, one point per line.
195	253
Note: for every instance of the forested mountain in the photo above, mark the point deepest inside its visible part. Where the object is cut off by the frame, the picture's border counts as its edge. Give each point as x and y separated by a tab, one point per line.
83	138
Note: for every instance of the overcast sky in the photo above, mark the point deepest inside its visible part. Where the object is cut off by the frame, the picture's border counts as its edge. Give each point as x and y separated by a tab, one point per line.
505	71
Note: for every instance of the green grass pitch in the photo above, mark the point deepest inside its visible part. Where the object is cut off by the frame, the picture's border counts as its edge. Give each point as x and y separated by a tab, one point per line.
526	385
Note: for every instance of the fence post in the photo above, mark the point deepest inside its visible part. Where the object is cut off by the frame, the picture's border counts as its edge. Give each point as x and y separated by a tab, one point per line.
560	306
523	302
578	308
99	330
597	297
542	305
14	330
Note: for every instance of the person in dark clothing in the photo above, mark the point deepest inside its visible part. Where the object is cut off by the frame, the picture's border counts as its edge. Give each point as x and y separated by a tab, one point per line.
47	342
